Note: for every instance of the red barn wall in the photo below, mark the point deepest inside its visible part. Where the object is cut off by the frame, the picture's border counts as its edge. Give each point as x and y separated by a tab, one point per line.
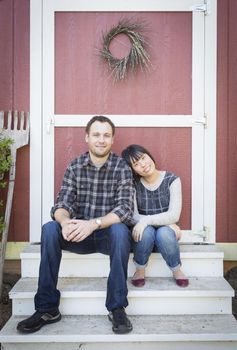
14	94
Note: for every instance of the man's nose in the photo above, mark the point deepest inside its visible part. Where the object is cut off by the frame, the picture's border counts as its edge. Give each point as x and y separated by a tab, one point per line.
101	138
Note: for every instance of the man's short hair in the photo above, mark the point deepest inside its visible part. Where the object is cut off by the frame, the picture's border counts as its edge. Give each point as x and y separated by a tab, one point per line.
101	119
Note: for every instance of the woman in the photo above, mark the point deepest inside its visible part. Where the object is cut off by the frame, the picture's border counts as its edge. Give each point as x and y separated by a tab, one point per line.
158	203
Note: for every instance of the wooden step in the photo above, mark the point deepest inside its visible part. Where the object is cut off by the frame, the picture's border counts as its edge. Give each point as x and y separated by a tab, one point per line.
174	332
197	261
160	295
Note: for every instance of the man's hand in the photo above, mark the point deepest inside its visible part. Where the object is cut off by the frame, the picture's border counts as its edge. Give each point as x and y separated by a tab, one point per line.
77	230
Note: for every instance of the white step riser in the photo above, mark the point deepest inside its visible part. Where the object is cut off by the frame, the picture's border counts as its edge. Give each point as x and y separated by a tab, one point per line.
175	345
137	306
94	266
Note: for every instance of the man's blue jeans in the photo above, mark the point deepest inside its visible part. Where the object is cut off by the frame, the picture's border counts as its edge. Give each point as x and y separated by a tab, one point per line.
114	241
161	239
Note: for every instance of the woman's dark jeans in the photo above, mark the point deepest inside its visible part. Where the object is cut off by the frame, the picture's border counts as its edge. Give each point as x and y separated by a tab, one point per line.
164	240
114	241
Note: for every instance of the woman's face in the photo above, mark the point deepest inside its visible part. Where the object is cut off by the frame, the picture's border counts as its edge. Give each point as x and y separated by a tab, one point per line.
144	166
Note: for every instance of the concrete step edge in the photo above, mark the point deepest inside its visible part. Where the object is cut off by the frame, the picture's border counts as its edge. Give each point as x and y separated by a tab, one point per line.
155	286
145	329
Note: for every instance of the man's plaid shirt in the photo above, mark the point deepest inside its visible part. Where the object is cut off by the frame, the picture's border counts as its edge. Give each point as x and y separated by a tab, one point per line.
90	192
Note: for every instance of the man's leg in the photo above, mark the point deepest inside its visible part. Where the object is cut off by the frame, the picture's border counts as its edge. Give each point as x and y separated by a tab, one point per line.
116	241
47	297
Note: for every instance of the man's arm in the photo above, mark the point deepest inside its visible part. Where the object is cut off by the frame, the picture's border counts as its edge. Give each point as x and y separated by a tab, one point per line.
124	201
66	198
77	230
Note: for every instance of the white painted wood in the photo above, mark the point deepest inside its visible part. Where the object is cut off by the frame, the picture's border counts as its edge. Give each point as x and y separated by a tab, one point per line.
123	120
86	296
47	96
48	110
124	5
200	261
36	119
153	332
157	267
137	306
198	114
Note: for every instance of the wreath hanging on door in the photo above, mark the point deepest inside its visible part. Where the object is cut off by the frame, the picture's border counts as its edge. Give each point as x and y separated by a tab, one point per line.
137	57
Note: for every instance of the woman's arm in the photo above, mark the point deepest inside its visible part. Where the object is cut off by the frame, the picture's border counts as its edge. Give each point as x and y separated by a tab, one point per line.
172	215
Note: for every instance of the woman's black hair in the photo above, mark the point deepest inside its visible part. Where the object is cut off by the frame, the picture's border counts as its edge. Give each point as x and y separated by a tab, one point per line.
132	154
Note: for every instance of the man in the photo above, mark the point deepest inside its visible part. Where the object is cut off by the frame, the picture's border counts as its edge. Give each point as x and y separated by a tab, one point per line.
92	211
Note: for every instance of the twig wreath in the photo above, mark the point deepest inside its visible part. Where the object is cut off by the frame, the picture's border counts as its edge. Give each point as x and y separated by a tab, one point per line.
137	57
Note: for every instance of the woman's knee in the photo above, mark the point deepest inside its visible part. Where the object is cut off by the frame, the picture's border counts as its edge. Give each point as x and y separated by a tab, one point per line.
148	235
166	235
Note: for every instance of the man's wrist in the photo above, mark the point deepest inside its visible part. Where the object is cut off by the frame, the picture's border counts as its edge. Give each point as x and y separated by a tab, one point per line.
98	222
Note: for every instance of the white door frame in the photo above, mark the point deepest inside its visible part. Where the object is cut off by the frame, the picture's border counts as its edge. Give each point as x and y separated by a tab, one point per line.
44	120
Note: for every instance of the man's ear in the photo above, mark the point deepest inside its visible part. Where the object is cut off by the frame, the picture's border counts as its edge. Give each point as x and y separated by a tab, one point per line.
86	138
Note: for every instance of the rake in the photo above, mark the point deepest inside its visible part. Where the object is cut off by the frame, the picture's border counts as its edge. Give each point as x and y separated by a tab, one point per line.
20	137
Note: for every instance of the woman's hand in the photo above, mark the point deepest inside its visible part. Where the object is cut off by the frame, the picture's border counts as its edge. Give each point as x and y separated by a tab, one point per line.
177	231
138	230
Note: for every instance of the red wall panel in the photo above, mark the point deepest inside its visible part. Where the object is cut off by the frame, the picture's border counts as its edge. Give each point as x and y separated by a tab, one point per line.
84	86
171	149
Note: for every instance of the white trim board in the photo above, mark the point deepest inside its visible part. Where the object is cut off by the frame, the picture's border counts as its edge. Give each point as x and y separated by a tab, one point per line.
165	121
203	101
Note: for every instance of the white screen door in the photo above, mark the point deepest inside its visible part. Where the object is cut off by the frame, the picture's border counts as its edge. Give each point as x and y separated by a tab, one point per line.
201	121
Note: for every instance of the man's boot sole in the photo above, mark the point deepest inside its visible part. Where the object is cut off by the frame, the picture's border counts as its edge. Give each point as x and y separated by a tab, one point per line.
32	330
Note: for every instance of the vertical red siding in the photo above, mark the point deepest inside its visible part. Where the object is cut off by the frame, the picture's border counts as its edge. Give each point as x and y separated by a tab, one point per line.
14	93
6	54
227	122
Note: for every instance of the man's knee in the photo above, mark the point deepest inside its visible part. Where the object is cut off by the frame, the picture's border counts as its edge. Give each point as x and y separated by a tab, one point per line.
50	230
120	233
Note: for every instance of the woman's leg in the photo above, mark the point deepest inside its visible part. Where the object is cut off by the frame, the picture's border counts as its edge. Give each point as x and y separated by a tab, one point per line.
142	251
167	244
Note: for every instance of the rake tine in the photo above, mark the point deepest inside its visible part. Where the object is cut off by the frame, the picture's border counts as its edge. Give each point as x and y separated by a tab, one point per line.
27	122
22	121
1	120
15	120
9	121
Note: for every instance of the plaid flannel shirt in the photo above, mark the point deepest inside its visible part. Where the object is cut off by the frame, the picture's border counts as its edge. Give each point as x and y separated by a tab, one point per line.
89	192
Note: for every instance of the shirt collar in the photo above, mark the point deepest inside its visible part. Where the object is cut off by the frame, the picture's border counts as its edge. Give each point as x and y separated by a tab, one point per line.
87	161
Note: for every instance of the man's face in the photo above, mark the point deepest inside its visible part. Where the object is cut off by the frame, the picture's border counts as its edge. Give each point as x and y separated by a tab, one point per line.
100	139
